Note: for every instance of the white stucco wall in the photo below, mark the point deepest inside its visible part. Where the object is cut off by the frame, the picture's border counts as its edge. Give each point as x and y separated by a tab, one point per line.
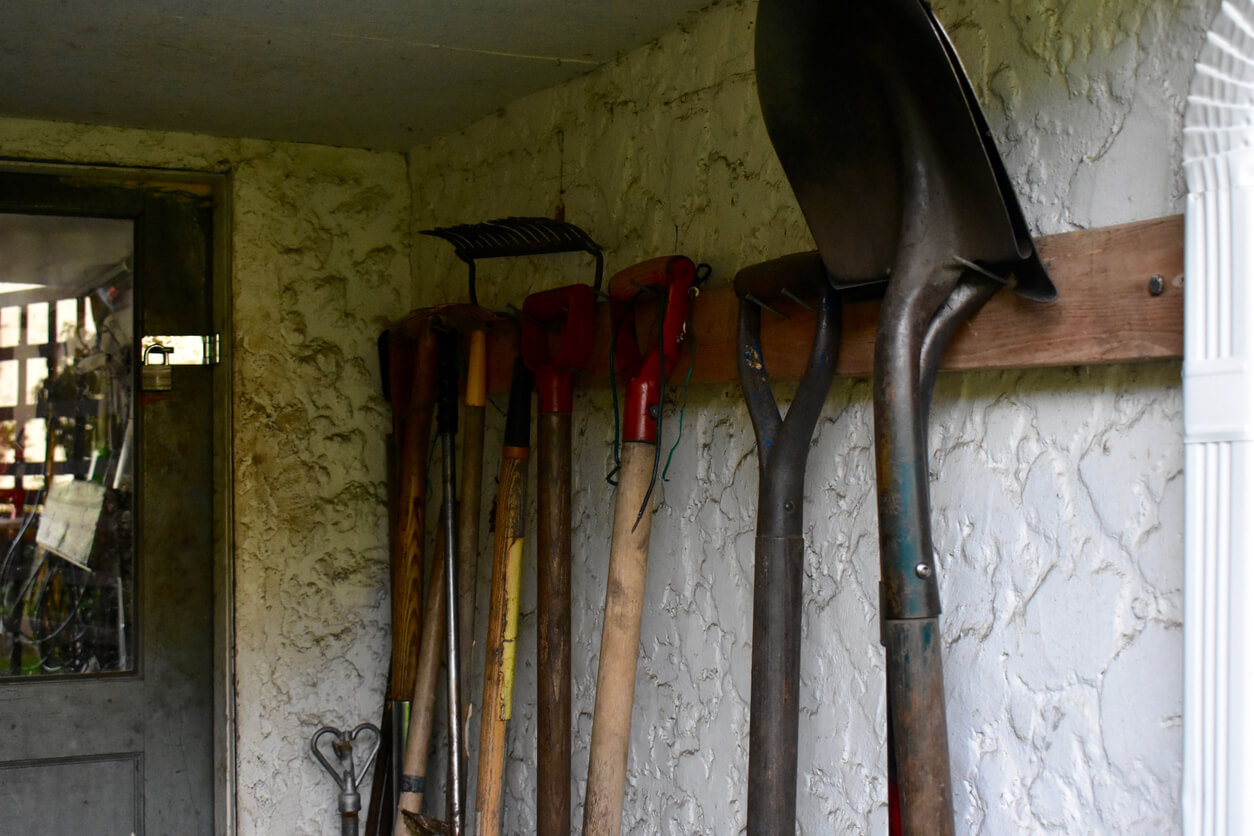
320	266
1057	494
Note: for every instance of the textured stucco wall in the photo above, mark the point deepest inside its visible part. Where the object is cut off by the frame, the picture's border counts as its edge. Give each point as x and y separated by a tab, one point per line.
1057	494
320	266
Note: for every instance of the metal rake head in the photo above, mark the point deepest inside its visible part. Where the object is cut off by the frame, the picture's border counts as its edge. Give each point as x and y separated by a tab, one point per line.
507	237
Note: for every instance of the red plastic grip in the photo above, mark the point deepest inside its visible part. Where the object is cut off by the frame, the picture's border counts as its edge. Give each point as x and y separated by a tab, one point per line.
557	336
673	278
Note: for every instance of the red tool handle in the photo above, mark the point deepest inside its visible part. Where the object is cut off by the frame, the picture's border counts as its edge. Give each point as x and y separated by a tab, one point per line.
567	316
673	277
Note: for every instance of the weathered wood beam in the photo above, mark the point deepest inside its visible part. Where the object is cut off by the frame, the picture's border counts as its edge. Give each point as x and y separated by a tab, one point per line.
1105	313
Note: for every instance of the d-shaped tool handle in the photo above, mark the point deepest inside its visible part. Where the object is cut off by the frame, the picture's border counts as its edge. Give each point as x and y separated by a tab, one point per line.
672	279
565	316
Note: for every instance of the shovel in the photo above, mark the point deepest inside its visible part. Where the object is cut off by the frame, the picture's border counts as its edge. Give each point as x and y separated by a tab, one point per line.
779	549
892	163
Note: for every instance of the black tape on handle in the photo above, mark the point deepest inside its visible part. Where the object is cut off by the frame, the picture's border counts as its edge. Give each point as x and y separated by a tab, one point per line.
518	418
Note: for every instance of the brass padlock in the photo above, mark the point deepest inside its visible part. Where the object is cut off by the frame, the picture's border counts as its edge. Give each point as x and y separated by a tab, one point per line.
157	376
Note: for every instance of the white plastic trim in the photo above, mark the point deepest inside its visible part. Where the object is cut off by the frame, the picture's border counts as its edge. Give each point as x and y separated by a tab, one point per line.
1219	431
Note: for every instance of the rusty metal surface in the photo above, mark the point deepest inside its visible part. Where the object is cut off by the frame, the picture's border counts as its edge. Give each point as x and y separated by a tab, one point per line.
916	692
883	143
860	101
780	547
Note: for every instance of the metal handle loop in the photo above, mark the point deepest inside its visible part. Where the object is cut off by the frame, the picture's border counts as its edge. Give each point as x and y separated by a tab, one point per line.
347	777
335	774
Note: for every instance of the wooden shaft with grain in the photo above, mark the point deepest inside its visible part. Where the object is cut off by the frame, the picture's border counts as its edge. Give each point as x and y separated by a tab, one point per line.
422	709
553	615
407	563
620	643
498	677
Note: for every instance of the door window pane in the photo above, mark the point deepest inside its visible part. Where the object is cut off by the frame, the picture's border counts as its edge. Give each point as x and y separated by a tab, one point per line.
67	558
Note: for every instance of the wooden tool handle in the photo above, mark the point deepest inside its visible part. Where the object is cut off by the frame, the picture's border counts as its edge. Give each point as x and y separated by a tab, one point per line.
553	615
620	641
407	563
423	706
498	678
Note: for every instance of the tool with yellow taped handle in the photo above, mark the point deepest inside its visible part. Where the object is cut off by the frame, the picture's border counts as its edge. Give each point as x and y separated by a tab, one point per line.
498	677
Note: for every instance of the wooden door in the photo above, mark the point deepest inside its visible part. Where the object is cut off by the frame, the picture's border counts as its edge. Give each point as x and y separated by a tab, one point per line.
107	682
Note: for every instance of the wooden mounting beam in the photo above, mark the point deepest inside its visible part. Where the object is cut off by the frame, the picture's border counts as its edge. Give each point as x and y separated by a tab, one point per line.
1105	313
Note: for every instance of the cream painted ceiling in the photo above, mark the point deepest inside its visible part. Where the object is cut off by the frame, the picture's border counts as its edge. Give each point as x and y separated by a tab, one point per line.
385	74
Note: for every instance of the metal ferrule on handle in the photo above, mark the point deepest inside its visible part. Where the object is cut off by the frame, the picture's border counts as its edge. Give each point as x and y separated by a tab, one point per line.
920	313
910	596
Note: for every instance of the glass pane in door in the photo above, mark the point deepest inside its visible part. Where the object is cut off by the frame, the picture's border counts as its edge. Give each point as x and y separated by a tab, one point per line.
67	556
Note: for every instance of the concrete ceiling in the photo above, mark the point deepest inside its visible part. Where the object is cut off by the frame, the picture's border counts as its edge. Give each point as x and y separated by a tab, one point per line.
386	74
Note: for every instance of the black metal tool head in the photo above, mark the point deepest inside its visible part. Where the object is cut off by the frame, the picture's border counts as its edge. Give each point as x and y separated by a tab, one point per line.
782	442
507	237
874	122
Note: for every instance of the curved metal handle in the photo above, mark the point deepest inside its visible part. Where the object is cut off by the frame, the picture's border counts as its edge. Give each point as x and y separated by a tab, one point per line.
345	778
335	774
364	766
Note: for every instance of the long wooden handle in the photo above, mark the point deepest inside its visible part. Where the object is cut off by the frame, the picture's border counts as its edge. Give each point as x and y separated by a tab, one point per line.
418	743
498	677
407	566
620	641
553	615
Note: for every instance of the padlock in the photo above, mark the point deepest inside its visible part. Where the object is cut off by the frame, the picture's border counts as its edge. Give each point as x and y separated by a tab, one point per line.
157	376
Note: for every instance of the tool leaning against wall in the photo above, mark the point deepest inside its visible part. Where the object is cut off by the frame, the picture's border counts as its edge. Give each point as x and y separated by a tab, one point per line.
569	315
672	279
350	771
472	320
407	360
503	599
508	237
779	546
871	100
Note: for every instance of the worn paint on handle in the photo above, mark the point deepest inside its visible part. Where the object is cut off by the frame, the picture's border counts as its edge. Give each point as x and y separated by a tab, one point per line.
513	592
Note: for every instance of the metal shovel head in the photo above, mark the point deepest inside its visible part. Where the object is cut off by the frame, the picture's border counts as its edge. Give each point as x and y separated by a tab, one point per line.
856	97
799	274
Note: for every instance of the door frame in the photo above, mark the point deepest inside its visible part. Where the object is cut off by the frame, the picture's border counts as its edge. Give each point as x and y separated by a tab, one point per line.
216	186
